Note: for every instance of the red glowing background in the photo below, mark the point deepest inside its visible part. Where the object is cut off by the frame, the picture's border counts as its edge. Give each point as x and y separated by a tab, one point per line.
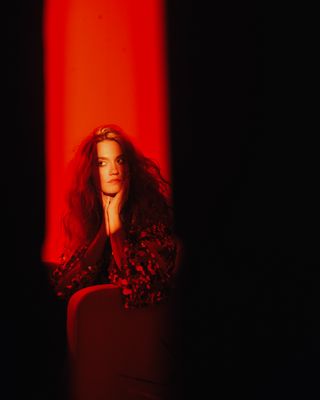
105	62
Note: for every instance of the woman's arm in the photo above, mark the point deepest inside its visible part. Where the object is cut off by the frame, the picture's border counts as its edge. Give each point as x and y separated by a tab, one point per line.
143	262
144	265
79	270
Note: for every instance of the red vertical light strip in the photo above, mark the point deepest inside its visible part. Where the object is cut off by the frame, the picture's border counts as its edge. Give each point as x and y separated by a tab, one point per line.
150	72
54	69
105	61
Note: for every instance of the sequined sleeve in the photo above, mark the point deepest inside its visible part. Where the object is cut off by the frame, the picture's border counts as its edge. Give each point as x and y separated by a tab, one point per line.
69	275
147	268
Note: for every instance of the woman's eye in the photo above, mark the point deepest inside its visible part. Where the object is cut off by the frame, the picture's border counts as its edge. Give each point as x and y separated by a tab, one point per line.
121	160
101	163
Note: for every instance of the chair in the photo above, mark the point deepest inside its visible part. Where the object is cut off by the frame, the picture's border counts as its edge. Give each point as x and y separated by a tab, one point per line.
119	354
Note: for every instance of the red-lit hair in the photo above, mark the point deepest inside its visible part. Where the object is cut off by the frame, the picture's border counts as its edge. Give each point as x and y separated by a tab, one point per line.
147	200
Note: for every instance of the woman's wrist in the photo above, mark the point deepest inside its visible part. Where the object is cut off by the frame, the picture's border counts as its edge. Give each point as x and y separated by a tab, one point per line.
114	224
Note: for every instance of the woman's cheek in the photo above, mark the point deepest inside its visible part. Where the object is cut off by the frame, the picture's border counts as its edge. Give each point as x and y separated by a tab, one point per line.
102	180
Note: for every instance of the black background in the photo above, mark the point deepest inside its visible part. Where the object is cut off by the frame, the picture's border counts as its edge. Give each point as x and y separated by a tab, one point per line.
243	134
246	174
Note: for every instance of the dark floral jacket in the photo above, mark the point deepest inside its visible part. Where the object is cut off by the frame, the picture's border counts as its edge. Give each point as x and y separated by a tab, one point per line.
145	276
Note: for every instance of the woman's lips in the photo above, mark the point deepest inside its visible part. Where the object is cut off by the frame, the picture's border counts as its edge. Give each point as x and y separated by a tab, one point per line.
116	180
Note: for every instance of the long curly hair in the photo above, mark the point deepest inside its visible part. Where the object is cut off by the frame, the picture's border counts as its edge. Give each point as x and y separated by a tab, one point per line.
148	197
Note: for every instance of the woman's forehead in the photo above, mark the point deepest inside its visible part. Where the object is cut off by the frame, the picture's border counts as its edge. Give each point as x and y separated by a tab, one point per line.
108	148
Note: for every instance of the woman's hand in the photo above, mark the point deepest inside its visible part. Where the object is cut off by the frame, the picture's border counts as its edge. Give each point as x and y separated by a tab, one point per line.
112	208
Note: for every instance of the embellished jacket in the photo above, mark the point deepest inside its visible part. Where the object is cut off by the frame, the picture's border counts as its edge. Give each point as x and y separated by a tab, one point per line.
145	274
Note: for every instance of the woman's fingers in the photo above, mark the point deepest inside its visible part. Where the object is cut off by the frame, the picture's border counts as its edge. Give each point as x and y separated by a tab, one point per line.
105	201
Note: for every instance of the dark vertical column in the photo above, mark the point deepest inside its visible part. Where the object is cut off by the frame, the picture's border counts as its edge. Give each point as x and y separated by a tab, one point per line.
245	198
181	119
32	341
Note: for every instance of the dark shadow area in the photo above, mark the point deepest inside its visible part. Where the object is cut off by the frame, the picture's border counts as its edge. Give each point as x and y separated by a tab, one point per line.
245	189
33	329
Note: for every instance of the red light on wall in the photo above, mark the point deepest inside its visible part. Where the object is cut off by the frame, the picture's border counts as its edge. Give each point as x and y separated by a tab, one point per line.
105	62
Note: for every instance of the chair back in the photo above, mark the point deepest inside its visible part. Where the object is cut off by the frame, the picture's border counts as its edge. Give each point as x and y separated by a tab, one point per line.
117	353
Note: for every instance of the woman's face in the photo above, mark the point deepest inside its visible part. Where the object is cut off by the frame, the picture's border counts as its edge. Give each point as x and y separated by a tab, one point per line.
112	166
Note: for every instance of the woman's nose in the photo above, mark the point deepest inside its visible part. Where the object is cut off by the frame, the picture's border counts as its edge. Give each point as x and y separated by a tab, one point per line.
113	169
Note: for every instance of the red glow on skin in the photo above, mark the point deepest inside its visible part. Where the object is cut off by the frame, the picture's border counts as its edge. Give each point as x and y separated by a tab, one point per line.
104	63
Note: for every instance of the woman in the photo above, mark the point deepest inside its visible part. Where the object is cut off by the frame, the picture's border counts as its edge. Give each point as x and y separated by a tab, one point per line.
118	223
